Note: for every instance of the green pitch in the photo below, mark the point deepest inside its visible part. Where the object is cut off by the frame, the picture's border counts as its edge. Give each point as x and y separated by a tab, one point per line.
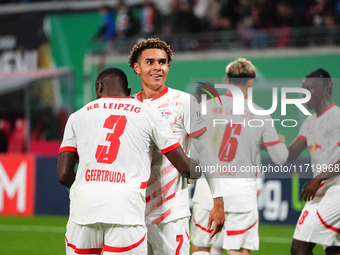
44	235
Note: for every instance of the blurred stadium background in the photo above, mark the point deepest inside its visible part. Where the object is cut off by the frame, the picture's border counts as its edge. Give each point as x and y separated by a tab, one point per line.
51	52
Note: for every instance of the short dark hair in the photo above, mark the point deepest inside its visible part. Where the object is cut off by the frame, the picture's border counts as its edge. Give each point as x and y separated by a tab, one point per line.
114	72
320	73
151	43
324	77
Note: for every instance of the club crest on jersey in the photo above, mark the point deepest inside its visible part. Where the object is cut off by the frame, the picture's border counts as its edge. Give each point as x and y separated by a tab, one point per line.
165	113
314	147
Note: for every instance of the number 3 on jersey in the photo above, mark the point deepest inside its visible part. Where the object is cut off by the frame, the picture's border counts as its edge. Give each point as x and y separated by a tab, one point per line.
229	142
108	154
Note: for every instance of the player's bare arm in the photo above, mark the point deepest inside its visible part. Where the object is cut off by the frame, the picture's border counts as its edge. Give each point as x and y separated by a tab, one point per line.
184	165
296	148
65	169
311	187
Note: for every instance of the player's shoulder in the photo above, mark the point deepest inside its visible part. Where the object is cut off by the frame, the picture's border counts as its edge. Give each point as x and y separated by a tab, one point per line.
177	92
180	94
335	109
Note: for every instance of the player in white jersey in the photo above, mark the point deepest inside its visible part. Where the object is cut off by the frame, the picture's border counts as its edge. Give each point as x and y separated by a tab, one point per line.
319	221
112	137
236	142
167	201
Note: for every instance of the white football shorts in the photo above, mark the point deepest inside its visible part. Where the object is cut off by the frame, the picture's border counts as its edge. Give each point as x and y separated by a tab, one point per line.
240	230
92	239
169	238
319	221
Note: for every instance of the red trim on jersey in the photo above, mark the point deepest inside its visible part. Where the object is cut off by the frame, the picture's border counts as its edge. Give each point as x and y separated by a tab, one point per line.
82	250
123	249
302	137
338	143
198	132
239	232
143	185
162	93
68	148
322	184
328	107
172	147
162	217
139	96
201	227
272	143
187	235
155	206
326	225
228	94
128	97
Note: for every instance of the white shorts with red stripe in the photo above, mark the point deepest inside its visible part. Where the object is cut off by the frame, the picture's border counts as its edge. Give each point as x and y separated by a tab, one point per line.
200	234
93	239
319	221
240	230
171	238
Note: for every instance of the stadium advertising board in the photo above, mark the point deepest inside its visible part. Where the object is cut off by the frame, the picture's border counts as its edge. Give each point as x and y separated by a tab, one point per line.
17	182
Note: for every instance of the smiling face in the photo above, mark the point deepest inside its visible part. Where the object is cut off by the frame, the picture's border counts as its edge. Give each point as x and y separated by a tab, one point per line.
153	68
317	90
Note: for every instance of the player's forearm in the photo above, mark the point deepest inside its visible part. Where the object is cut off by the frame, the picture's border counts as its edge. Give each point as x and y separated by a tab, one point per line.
65	168
278	153
67	179
215	185
184	165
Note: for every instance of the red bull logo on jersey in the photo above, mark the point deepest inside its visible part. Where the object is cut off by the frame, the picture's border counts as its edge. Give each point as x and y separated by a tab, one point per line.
314	147
165	113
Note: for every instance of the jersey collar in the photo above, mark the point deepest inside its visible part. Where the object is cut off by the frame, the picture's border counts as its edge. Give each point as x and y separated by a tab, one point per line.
327	108
105	96
162	93
231	95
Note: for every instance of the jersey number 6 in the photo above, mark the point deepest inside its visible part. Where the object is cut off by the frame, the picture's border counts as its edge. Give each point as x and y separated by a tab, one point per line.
108	154
229	142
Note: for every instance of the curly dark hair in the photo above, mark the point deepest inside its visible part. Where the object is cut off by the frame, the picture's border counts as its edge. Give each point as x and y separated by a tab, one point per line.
151	43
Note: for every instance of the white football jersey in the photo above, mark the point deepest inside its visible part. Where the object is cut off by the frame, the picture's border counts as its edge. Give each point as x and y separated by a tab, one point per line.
167	197
322	135
235	141
112	137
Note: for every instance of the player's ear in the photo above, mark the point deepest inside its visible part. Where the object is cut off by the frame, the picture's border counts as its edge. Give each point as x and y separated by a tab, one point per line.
136	68
99	89
250	83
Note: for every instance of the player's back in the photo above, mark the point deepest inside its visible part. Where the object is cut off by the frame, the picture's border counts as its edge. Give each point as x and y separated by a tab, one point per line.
237	138
235	141
113	137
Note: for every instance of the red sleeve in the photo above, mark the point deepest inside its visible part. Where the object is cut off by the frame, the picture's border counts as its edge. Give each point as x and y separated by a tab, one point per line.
302	137
68	148
271	143
198	132
172	147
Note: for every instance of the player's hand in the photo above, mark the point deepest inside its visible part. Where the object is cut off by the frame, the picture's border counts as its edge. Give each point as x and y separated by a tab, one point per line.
217	216
310	188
